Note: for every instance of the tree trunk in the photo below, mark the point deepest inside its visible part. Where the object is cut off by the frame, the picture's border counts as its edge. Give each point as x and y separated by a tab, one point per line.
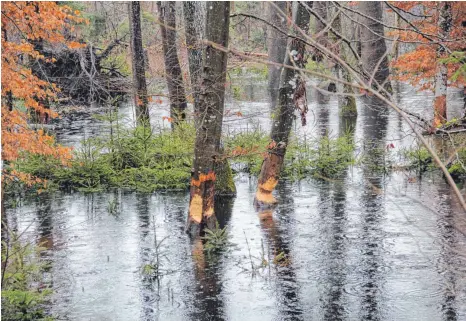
211	104
276	43
139	79
373	47
441	73
173	73
292	94
346	104
193	14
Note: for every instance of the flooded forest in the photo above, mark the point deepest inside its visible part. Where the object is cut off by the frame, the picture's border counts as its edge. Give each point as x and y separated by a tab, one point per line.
242	160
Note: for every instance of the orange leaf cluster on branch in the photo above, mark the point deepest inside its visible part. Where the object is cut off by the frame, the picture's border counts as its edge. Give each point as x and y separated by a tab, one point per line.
418	66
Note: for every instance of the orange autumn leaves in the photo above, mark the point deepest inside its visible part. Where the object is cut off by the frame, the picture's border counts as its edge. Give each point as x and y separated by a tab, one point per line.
23	25
418	66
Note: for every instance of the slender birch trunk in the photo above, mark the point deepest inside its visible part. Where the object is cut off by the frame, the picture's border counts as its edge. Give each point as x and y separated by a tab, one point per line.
441	73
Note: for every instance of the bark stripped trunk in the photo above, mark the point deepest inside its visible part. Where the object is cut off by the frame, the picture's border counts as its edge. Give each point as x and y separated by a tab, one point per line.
373	47
441	73
173	73
276	44
211	104
347	103
292	95
194	33
139	79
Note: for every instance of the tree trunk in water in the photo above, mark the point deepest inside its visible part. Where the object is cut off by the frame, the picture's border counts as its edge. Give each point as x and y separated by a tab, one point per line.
193	13
292	94
173	73
346	104
139	79
441	73
211	104
373	47
276	44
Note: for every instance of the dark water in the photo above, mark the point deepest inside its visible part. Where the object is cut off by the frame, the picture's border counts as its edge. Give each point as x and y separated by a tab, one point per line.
367	247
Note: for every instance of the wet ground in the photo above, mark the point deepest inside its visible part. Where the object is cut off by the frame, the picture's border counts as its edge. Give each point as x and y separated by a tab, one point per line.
368	247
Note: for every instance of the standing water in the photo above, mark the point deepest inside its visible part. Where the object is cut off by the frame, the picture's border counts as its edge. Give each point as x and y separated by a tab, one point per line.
371	246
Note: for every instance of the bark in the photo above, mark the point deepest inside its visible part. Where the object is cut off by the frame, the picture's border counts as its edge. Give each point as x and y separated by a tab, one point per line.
441	73
194	30
292	94
373	48
173	75
346	104
211	105
276	44
137	52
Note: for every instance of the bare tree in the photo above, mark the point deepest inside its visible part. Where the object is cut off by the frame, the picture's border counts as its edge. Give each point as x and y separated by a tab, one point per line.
291	96
211	105
276	44
139	79
441	72
346	101
373	48
173	75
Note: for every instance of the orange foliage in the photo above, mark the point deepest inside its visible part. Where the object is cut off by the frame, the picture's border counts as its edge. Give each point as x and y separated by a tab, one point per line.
24	23
418	66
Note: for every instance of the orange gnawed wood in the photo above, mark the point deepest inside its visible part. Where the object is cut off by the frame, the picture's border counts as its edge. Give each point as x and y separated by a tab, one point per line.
209	194
195	205
210	176
268	178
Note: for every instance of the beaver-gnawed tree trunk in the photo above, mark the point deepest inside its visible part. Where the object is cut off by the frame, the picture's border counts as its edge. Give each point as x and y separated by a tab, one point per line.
193	12
176	92
291	96
373	48
208	132
194	31
441	72
276	44
138	64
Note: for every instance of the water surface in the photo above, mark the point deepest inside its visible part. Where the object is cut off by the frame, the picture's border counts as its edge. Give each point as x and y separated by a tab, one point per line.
371	246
